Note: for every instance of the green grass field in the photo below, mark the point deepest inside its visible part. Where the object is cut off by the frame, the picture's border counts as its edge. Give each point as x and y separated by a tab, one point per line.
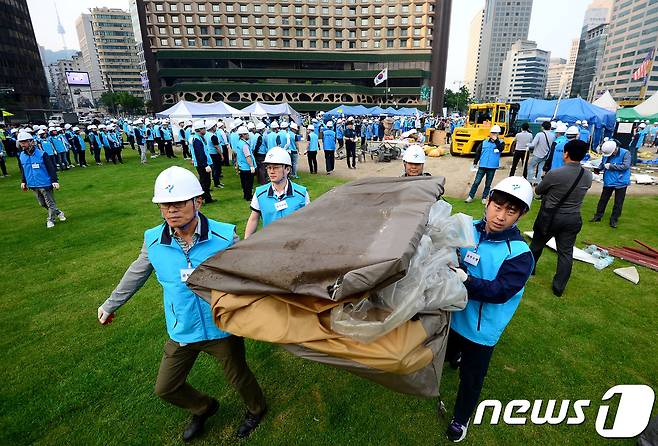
68	380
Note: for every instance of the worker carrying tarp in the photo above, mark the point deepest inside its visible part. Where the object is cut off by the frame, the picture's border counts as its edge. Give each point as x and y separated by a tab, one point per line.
374	299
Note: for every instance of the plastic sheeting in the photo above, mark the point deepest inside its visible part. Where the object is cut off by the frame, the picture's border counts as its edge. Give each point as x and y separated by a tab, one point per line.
568	110
429	285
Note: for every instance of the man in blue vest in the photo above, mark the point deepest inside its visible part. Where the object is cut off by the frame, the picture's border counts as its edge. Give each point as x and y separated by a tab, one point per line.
140	139
60	148
557	149
173	249
167	139
494	274
273	136
150	138
487	155
182	140
278	198
157	135
201	158
259	149
223	143
94	143
246	163
312	149
80	146
329	146
637	142
39	174
616	167
584	134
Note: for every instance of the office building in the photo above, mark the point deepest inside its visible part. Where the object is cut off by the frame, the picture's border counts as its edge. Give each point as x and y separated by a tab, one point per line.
524	72
589	62
474	36
555	80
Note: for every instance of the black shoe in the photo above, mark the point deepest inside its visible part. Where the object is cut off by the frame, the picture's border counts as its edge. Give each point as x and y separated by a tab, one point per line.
594	219
613	224
195	426
250	423
557	293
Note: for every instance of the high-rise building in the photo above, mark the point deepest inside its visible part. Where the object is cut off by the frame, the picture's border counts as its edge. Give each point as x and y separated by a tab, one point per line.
57	74
137	30
556	76
571	67
23	87
597	13
109	50
632	34
474	36
589	62
504	22
524	72
314	54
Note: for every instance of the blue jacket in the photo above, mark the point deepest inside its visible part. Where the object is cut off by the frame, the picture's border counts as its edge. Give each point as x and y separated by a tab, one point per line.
495	285
94	140
339	131
46	145
328	140
37	170
489	155
241	158
558	152
282	137
189	318
295	198
210	147
619	174
584	135
58	143
148	131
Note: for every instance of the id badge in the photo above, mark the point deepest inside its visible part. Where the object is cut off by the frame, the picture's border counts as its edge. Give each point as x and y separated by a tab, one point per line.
281	205
496	151
185	274
36	166
472	258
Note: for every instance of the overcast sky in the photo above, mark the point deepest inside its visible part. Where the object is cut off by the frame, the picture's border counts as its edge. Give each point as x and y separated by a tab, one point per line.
553	25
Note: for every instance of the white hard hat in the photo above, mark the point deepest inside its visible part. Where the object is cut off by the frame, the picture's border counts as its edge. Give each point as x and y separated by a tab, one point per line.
573	130
310	127
76	128
284	125
260	125
561	128
220	124
585	124
643	125
578	122
210	125
242	130
330	124
495	129
554	124
251	125
414	154
517	187
278	155
608	147
59	129
139	121
29	130
176	184
51	129
92	127
199	125
101	126
238	122
43	127
67	126
41	132
274	125
24	136
293	125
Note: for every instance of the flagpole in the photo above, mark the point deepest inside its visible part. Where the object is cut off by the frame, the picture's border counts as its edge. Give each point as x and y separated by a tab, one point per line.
386	84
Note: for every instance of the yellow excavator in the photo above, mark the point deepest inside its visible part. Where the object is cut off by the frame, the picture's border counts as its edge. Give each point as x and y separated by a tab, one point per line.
481	117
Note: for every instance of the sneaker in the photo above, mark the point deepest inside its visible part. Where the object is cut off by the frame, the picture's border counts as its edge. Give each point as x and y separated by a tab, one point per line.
154	156
468	199
484	201
50	224
61	216
456	432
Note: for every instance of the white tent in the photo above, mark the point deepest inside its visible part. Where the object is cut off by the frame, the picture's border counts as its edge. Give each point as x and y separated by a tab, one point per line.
191	110
648	107
260	109
607	101
256	109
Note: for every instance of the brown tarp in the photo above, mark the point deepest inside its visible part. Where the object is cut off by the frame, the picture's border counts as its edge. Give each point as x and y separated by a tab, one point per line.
354	238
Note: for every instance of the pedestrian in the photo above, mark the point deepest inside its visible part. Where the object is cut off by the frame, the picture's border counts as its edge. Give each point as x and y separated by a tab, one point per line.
157	136
637	142
293	137
329	146
201	159
215	152
182	140
413	161
3	158
129	129
38	174
312	149
167	139
350	137
278	198
616	167
234	141
60	148
94	143
494	274
556	157
273	137
584	134
68	135
80	146
340	133
563	191
541	147
260	150
521	151
140	139
223	143
173	249
105	141
150	139
487	158
246	163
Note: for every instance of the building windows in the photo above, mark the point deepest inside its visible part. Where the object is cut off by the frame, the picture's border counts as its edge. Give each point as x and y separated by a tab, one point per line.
378	22
162	30
311	9
364	22
325	44
231	31
377	33
404	42
218	31
258	20
418	21
285	21
258	9
230	8
230	19
390	21
286	43
187	7
339	22
201	7
271	32
312	33
300	44
215	8
285	32
390	43
311	21
203	19
313	44
259	31
189	19
245	31
161	19
377	44
159	7
271	21
176	31
270	9
325	22
259	43
178	42
216	19
299	33
191	42
417	32
203	30
325	11
246	42
173	7
243	8
416	43
232	42
272	43
205	41
189	31
325	33
404	21
364	34
419	9
364	44
174	19
285	10
390	32
298	9
244	20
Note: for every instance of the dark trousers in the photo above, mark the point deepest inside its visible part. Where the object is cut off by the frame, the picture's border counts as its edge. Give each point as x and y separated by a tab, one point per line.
3	166
633	151
351	154
177	362
169	148
62	160
97	154
482	171
472	371
216	168
247	182
227	160
68	157
329	160
161	147
75	157
186	150
116	154
261	171
204	179
82	158
108	155
150	145
606	193
520	155
312	161
131	141
340	143
565	228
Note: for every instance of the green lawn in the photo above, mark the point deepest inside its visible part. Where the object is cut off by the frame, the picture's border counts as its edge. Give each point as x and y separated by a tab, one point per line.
67	380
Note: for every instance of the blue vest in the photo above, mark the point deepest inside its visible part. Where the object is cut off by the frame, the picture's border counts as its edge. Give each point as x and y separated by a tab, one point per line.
149	133
58	143
210	148
271	140
81	140
313	142
221	137
329	140
166	134
233	140
205	149
156	131
283	139
616	178
482	322
34	169
558	152
295	198
339	132
47	145
94	140
242	159
262	148
490	156
188	317
584	135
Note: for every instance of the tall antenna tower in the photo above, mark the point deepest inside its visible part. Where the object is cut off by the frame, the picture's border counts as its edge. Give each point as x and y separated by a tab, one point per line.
60	28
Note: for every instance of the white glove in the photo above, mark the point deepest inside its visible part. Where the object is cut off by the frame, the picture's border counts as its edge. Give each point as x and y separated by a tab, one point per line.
56	186
104	317
208	169
252	170
461	274
607	166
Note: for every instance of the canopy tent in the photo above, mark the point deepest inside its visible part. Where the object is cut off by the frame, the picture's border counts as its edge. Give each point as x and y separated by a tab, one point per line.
360	110
260	109
648	110
409	111
348	110
191	110
567	110
256	109
607	101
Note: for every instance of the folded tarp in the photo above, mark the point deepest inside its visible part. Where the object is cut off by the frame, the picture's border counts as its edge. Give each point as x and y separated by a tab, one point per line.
354	238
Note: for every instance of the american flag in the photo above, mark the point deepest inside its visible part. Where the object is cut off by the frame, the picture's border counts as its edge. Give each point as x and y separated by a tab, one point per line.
642	72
